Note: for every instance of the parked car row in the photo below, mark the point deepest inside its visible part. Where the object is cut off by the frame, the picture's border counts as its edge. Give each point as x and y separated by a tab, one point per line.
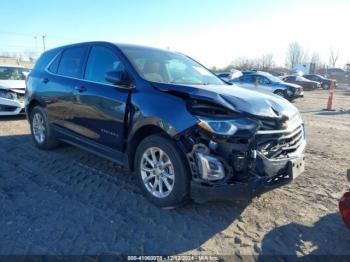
288	86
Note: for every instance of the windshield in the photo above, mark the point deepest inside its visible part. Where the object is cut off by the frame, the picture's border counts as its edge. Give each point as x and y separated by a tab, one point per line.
273	78
13	73
168	67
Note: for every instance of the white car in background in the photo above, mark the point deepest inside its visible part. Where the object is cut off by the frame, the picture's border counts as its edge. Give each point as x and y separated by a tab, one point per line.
12	88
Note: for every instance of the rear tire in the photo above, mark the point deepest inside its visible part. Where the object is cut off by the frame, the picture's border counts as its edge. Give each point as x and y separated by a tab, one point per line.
162	172
42	134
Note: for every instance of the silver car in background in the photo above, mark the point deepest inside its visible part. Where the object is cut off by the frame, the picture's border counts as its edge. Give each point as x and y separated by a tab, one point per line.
12	88
267	83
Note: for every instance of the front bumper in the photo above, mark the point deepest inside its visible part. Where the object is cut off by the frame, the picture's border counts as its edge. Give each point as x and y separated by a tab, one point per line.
299	93
9	107
256	186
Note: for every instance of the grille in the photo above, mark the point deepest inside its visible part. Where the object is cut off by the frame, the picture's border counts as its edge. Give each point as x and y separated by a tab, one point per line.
280	144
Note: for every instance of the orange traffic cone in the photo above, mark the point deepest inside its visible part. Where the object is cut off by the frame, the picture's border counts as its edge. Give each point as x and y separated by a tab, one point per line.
330	97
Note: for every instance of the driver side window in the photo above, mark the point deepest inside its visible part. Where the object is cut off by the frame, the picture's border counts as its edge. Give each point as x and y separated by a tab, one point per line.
101	61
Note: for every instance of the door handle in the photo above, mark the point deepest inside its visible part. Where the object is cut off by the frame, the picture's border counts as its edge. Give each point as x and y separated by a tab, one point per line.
80	89
45	80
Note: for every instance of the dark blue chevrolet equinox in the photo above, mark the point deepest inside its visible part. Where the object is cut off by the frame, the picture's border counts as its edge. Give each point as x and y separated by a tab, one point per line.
185	133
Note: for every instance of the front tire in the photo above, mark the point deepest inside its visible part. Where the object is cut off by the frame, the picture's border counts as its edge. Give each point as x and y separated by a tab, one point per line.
41	132
162	172
281	93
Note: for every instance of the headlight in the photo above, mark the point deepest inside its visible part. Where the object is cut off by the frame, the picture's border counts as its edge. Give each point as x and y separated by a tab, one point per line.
220	127
7	94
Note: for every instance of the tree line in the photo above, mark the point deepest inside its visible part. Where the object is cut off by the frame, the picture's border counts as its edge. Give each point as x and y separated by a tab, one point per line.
295	55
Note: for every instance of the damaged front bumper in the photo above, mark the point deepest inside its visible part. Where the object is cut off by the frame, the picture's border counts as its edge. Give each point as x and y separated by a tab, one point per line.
255	186
229	170
9	107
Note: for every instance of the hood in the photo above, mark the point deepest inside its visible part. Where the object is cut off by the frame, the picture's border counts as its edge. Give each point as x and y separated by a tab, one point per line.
237	99
17	86
291	85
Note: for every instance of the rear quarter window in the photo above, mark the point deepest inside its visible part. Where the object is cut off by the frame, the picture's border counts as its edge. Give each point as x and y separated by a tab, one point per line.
71	63
54	65
45	59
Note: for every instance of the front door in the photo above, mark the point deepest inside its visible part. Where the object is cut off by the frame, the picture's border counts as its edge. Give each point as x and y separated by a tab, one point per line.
100	107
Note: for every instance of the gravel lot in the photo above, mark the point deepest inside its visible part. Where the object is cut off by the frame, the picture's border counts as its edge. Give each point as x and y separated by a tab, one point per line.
67	201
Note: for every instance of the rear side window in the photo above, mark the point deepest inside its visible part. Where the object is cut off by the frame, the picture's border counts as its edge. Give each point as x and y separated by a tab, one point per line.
101	60
71	63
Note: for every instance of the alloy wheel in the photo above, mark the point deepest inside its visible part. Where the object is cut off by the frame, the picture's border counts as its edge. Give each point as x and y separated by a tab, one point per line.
157	172
38	128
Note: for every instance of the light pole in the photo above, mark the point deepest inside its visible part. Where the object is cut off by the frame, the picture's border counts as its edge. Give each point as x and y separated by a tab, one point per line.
44	45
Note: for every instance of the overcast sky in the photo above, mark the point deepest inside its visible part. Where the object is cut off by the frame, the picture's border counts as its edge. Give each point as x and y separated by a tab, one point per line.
212	32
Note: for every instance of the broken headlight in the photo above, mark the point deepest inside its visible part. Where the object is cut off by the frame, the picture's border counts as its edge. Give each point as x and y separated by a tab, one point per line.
221	127
7	94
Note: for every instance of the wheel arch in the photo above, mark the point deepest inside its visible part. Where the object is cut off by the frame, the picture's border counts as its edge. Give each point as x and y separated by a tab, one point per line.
33	103
136	138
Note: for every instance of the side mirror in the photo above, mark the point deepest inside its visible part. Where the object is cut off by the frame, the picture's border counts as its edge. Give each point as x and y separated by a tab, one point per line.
118	78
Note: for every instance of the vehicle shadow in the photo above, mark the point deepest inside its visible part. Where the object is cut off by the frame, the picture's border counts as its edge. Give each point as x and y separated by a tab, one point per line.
102	206
306	241
13	118
331	113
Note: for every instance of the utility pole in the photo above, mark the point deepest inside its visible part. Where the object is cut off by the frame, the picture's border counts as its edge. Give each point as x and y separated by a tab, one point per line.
44	45
36	45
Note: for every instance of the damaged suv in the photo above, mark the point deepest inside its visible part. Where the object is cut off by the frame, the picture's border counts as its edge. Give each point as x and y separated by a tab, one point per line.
183	131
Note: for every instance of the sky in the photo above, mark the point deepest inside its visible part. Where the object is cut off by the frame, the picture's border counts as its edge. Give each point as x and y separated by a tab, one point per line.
212	32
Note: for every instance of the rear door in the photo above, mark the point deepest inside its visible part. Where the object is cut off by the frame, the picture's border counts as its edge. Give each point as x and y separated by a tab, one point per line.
99	106
62	76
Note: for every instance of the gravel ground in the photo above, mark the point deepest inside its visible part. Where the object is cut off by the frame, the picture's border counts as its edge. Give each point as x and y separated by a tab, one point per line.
67	201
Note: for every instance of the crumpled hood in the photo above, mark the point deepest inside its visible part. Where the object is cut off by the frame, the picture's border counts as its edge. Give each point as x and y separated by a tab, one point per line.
17	86
237	99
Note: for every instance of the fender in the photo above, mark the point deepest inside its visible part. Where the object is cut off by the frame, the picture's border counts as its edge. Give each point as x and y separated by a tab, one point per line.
165	111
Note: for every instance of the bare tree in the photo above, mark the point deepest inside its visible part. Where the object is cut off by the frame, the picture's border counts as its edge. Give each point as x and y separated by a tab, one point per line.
295	54
243	63
266	62
333	56
306	58
315	58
